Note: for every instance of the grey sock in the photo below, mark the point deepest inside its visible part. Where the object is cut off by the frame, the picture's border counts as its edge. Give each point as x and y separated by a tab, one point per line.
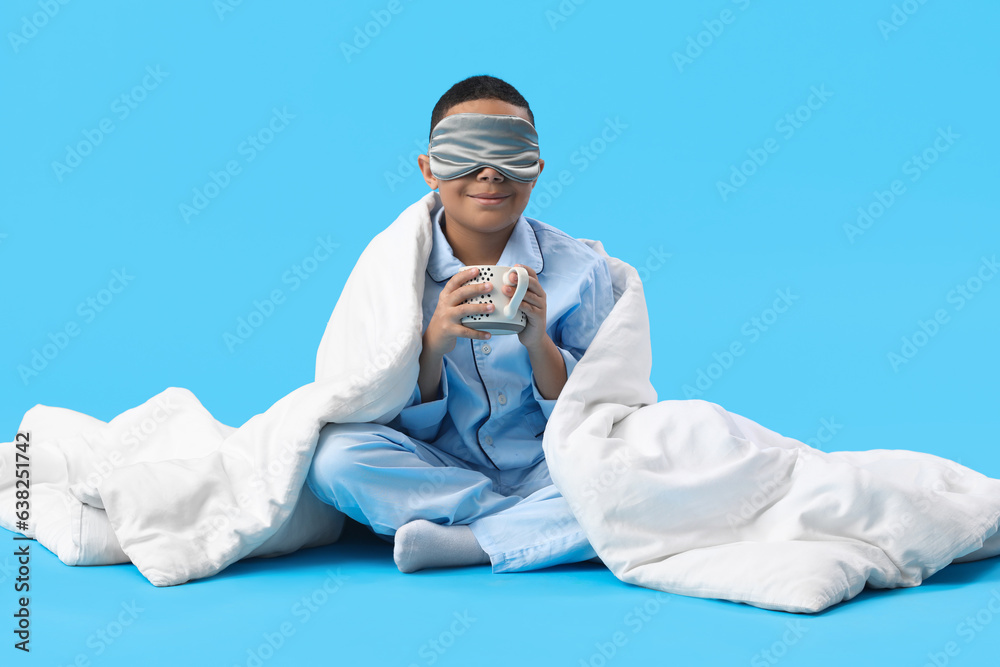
421	544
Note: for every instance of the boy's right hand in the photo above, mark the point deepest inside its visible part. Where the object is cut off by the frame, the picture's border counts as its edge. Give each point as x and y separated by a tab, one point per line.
445	327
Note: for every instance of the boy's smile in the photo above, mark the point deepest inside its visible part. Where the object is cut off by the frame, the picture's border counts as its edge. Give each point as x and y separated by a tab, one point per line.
481	208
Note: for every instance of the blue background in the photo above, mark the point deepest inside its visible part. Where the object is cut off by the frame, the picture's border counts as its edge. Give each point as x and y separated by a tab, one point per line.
694	89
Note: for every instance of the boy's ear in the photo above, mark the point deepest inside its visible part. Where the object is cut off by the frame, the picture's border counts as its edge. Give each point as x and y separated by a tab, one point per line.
424	162
541	166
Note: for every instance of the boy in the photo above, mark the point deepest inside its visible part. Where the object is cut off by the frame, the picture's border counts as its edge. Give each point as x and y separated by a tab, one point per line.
459	476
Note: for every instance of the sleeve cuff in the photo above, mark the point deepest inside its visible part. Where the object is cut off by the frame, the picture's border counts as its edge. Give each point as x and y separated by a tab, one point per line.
547	404
423	420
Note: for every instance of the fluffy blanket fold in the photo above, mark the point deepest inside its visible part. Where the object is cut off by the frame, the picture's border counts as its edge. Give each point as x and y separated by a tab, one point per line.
676	495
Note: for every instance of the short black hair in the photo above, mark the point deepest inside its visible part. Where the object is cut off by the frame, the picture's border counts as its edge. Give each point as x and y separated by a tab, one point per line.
480	87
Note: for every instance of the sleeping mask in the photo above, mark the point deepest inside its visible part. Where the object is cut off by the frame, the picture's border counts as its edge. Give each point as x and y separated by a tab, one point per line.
464	143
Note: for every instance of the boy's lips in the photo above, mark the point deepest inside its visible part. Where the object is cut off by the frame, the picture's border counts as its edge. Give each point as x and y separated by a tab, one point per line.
490	198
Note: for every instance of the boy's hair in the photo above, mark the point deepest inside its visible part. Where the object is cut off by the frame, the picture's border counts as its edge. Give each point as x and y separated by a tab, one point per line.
481	87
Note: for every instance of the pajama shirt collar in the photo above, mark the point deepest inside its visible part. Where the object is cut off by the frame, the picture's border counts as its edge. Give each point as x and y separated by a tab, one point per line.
522	248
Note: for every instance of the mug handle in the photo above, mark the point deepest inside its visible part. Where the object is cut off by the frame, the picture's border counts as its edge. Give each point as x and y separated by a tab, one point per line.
522	288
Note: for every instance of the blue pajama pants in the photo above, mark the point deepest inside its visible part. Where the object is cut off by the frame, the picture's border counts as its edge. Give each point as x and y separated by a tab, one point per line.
383	478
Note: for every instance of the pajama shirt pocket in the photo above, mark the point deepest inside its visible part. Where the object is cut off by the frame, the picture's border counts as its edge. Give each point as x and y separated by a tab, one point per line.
535	422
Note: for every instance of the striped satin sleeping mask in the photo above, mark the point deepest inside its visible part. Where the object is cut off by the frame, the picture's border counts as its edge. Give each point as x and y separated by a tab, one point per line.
464	143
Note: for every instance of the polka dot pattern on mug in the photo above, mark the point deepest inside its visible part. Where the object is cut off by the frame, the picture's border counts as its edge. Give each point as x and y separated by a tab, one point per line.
485	275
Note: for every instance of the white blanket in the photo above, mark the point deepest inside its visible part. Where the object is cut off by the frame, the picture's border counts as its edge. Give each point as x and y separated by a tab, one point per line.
679	496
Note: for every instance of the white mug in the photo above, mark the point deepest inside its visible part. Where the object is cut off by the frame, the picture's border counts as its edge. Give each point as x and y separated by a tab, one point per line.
505	318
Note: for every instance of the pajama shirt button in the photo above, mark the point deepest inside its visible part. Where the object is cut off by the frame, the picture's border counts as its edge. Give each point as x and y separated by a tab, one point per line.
486	349
488	440
502	399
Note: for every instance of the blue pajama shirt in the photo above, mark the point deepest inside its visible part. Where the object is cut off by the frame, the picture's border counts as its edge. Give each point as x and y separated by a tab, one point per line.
473	455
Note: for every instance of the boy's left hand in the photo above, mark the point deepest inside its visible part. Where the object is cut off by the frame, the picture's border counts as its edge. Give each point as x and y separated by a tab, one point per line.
533	307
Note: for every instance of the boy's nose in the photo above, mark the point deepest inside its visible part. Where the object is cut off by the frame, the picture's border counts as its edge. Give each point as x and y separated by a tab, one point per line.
489	174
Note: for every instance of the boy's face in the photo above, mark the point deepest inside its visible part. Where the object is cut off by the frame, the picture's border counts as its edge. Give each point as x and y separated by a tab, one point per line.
463	198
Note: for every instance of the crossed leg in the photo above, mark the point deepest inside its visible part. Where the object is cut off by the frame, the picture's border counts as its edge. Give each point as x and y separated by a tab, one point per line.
439	509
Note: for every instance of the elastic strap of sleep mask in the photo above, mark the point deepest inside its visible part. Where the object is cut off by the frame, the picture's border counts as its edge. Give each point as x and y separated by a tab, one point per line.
466	142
